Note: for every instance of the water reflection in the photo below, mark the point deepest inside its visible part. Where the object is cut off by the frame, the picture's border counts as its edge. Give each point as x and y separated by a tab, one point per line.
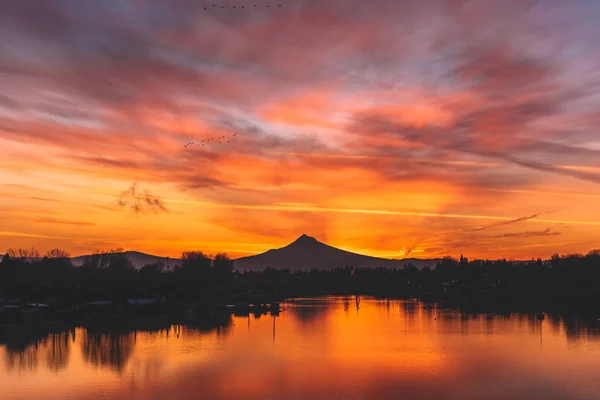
58	354
26	359
308	311
104	343
108	350
334	348
26	346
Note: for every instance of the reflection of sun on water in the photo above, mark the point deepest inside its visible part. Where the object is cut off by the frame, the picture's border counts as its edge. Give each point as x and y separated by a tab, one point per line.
371	338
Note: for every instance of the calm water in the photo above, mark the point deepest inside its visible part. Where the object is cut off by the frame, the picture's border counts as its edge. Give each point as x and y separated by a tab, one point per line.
316	349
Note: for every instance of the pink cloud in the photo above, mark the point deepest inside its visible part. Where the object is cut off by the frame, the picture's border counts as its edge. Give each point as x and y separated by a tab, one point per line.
346	102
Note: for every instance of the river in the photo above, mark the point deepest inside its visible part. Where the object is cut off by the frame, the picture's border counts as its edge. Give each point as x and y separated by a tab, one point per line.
324	348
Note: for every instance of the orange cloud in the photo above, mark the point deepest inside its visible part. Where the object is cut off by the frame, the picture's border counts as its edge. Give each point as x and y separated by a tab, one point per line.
378	127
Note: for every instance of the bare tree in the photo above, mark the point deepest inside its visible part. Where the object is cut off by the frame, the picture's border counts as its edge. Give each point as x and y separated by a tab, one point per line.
103	259
593	253
194	255
58	253
28	255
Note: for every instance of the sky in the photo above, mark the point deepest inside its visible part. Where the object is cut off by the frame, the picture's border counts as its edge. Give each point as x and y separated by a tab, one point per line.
390	128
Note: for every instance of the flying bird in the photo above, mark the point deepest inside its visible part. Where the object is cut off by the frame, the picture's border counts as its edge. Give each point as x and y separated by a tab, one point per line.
255	6
218	139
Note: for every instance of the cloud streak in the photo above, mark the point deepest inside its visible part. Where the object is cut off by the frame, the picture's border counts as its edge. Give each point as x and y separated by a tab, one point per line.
390	118
300	208
504	223
527	234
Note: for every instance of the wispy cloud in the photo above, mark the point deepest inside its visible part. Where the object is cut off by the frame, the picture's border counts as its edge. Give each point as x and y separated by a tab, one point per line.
28	235
388	118
527	234
60	221
504	223
317	209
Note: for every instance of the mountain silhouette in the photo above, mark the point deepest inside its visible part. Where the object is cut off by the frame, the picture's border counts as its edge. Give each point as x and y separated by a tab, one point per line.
137	258
306	252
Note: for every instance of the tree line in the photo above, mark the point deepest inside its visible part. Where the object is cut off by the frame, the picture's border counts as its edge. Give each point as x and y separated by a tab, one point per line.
571	281
108	274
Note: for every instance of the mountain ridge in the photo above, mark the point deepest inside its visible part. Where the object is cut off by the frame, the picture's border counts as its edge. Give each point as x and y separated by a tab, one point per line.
137	258
306	252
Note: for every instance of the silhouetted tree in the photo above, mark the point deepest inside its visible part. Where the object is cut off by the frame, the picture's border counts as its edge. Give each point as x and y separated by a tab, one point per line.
27	255
195	259
193	274
105	258
568	281
152	279
223	269
57	254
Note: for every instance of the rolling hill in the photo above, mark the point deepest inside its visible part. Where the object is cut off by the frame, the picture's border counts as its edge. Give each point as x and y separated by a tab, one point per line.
138	259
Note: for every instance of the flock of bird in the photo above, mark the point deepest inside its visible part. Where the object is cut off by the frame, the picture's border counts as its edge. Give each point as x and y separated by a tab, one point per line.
244	7
214	139
221	139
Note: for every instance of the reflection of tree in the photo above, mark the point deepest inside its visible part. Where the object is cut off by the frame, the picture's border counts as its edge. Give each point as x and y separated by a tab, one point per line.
306	311
308	314
410	309
22	360
24	344
108	350
104	345
577	328
220	323
490	321
58	352
554	321
346	303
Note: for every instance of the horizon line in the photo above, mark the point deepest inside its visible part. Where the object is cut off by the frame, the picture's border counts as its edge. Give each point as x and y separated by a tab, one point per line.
338	248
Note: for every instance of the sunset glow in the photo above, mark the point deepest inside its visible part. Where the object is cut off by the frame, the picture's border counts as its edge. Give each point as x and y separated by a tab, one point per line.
390	128
379	347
